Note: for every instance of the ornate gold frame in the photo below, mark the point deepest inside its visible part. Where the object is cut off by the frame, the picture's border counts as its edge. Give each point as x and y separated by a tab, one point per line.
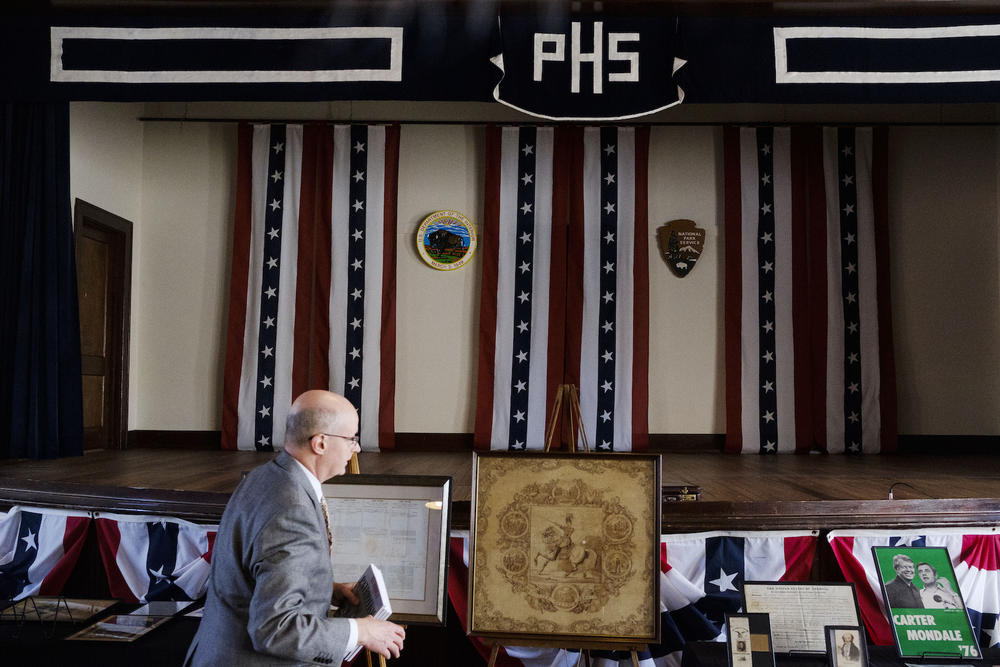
565	549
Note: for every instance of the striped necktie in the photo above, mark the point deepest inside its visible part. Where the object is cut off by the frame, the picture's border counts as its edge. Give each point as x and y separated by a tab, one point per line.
326	519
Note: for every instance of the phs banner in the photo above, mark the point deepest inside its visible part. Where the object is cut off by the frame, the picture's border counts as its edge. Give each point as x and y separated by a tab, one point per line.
587	67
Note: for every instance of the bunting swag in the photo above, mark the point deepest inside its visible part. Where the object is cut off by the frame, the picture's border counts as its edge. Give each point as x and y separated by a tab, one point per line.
975	557
767	390
565	284
700	579
607	331
523	298
312	295
155	558
38	550
809	347
859	411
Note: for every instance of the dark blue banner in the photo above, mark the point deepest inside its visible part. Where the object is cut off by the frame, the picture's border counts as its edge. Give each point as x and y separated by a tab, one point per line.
544	60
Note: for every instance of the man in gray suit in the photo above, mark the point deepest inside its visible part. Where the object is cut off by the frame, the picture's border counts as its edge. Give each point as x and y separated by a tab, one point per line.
272	580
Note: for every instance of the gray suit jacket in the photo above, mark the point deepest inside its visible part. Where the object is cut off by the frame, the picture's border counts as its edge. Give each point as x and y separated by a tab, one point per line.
271	579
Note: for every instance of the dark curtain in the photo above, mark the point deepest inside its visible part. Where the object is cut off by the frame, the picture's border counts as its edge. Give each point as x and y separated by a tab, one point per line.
41	405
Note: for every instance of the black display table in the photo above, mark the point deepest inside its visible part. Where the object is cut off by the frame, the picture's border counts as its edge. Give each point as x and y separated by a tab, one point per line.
713	654
41	643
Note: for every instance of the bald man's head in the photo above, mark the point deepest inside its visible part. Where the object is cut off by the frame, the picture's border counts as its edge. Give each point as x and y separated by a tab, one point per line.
318	411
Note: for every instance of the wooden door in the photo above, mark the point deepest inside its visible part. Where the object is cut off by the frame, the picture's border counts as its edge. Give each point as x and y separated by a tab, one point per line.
104	281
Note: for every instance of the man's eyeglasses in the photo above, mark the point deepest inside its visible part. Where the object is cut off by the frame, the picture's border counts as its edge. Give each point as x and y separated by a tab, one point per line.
355	439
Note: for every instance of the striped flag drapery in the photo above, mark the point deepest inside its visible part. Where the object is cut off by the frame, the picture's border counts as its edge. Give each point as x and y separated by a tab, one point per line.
565	284
155	558
38	550
312	294
975	557
808	331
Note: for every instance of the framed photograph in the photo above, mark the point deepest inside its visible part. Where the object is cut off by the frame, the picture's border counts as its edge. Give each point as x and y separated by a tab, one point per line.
400	523
565	549
800	610
120	628
846	645
54	609
924	604
748	640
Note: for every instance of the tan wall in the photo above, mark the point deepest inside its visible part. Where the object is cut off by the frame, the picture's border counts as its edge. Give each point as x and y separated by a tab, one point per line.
106	157
945	285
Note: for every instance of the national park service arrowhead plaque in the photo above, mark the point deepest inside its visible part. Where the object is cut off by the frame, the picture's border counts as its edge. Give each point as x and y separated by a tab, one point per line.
681	243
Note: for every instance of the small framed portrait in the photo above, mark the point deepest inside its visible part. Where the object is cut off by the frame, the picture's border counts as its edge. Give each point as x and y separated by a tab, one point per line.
846	645
748	640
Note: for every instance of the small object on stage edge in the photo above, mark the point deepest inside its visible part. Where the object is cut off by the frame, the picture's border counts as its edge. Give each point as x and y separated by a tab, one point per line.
672	494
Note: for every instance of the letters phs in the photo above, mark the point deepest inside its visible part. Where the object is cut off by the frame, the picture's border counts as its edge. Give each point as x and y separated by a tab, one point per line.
596	57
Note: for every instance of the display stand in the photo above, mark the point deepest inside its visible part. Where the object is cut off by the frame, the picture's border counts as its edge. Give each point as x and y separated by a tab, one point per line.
567	405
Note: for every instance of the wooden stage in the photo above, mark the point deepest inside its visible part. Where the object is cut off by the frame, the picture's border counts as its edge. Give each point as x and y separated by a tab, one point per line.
738	492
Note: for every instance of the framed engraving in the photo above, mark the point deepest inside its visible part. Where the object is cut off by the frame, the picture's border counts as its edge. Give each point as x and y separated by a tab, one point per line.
800	610
400	523
565	549
748	640
925	605
846	645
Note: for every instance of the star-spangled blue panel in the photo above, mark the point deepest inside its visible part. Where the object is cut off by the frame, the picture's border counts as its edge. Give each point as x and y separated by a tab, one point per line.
850	289
608	301
724	576
161	560
270	290
766	309
357	219
520	391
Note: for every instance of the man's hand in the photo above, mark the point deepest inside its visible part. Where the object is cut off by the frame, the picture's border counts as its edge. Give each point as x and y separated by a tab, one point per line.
380	637
344	593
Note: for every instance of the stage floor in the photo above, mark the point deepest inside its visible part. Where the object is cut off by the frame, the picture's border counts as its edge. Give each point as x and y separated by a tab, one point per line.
721	477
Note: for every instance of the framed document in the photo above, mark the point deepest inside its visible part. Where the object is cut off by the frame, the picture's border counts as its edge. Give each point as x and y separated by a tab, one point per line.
748	640
565	549
800	610
846	646
400	523
925	606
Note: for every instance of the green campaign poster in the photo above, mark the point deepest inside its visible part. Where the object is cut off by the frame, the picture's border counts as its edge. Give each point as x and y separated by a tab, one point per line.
924	603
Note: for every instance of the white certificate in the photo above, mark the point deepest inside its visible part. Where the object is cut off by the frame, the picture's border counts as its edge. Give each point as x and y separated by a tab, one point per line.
390	533
798	611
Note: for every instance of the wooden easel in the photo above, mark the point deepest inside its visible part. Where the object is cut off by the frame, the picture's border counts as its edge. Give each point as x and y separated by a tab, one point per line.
567	404
354	468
